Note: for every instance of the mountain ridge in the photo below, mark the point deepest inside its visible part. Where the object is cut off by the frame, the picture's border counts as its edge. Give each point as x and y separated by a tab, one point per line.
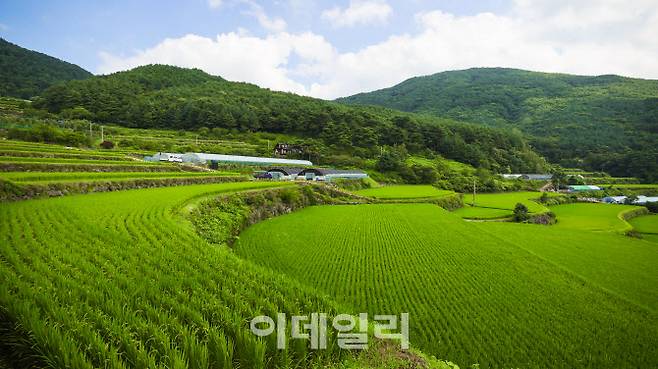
598	121
159	96
26	73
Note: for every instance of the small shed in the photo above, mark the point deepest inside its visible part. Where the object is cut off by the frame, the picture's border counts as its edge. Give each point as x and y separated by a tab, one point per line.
614	199
284	173
322	174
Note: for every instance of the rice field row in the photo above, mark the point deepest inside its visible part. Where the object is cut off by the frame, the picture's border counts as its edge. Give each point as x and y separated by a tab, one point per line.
64	155
46	160
119	280
51	177
631	186
404	192
585	300
10	145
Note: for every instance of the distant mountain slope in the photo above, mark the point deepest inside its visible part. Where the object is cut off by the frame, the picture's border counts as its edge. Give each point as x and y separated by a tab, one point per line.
159	96
573	118
25	73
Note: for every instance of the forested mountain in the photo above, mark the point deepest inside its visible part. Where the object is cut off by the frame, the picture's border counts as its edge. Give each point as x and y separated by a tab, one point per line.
170	97
603	123
25	73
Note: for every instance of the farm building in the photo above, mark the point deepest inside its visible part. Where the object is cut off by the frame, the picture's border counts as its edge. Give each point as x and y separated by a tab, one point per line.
320	174
614	199
582	188
284	149
284	173
166	156
529	177
202	158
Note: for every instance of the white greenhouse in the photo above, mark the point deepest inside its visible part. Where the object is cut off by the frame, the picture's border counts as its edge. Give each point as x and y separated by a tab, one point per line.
201	158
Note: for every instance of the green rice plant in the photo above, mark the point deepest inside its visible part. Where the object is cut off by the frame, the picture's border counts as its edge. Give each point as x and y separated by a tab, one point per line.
404	192
593	217
500	205
497	294
120	280
645	224
20	159
54	177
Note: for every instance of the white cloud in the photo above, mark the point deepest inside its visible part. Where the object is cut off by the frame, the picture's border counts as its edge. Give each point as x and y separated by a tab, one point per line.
276	24
214	4
595	37
359	12
234	56
4	27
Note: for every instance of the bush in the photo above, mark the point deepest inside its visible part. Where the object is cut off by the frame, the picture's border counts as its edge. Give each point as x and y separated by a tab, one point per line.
353	184
521	213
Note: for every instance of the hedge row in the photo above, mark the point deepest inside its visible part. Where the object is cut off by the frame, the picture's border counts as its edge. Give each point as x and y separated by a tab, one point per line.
221	219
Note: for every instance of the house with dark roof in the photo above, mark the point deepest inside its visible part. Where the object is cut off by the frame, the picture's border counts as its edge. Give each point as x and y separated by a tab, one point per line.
324	174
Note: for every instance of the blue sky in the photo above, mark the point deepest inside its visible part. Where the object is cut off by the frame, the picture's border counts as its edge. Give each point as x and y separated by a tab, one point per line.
334	48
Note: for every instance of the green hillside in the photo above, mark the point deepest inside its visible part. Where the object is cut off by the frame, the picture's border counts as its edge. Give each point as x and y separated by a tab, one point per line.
159	96
25	73
609	122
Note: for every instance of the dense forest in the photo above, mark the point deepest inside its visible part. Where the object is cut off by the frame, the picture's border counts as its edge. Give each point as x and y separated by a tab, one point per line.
159	96
607	123
25	73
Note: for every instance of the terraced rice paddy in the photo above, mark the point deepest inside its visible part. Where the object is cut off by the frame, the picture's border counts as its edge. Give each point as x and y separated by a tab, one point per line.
647	226
37	157
404	192
499	205
119	280
58	177
631	186
501	295
592	217
35	147
16	159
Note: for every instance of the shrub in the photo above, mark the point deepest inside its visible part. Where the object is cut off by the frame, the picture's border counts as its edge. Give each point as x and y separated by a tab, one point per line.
520	213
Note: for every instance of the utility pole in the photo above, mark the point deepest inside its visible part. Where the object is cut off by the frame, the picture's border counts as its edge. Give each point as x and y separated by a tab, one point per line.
90	132
102	134
474	190
268	145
